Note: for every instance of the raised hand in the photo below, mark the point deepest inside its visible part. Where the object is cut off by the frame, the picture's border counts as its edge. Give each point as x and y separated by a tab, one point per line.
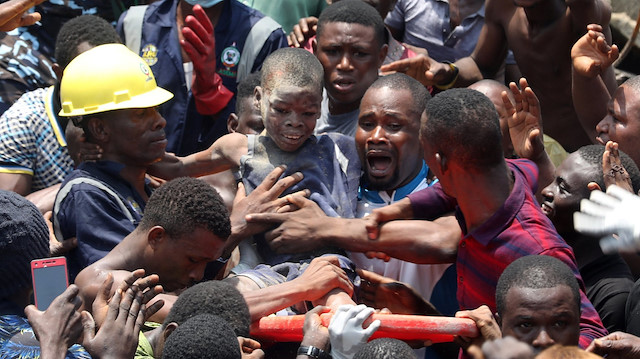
525	124
591	55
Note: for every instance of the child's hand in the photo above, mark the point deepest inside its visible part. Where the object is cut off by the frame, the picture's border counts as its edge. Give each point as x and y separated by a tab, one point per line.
591	55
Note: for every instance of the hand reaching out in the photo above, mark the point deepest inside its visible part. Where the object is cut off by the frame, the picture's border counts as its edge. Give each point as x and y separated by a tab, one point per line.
126	312
591	55
58	327
381	292
13	14
303	31
422	68
346	330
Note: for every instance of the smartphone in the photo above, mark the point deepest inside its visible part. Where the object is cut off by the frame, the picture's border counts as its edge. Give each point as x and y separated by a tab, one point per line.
50	279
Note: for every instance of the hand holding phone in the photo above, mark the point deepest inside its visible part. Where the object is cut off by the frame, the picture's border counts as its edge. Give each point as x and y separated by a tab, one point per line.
50	279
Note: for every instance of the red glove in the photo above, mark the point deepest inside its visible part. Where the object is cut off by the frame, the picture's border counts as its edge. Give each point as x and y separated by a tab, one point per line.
199	43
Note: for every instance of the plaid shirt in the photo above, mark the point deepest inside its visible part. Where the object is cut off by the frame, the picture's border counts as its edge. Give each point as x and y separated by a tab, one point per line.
32	142
517	229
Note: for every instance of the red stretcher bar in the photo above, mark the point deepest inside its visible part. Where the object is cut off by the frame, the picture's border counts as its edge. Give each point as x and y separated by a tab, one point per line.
404	327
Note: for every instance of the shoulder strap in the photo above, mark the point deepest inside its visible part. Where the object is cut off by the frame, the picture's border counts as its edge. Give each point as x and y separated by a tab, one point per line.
64	191
259	33
132	25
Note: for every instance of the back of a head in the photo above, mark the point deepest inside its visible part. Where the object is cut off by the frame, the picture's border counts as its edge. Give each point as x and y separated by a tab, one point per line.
24	236
204	336
463	124
184	204
535	272
91	29
106	78
212	297
385	348
592	154
291	66
246	89
633	83
353	12
400	81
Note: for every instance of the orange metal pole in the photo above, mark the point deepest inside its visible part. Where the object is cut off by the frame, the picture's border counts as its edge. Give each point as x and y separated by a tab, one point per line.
404	327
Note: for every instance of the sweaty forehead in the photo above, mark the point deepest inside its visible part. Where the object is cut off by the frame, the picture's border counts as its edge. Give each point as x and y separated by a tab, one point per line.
536	300
346	32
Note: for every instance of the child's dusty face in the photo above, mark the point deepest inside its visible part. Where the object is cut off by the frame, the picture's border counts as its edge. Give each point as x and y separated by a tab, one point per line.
289	114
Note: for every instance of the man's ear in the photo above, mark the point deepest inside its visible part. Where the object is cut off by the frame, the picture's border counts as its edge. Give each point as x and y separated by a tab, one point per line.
383	54
314	45
57	70
232	123
155	236
441	162
257	98
593	186
97	128
498	320
168	329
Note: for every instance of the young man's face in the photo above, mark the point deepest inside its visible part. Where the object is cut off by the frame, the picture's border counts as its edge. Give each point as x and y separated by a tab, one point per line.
180	262
542	317
289	114
387	138
351	56
562	197
137	135
622	123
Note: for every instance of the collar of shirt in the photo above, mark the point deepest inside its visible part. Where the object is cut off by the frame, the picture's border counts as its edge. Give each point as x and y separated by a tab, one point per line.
374	196
503	217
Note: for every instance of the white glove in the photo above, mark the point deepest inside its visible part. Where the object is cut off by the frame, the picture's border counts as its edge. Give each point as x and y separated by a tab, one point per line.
616	212
346	332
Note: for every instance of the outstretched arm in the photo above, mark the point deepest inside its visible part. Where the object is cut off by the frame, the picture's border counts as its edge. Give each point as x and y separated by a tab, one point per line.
223	154
309	228
591	58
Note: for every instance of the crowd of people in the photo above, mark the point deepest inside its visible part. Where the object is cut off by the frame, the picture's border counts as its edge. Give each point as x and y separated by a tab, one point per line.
200	169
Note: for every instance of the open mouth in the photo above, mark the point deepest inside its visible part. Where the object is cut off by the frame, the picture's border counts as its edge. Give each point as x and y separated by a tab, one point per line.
379	163
547	209
602	139
343	85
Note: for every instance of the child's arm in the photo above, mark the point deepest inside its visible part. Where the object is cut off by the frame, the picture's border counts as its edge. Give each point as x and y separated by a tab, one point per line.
223	154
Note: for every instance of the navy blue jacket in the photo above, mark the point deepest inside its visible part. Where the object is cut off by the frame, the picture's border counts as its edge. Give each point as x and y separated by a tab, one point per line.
187	130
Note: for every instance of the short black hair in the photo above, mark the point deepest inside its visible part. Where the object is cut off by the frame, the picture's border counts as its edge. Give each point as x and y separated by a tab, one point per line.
212	297
184	204
92	29
297	67
354	12
385	348
203	336
400	81
592	154
464	125
246	88
535	272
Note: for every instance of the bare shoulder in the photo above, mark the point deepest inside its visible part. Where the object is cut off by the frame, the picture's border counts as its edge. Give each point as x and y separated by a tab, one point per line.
584	12
232	146
499	11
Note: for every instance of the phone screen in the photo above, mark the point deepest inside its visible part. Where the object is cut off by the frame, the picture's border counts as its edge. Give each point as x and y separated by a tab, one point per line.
49	282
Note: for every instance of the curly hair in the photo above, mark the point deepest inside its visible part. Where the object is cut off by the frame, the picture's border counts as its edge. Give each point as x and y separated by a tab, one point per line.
183	204
86	28
213	297
203	336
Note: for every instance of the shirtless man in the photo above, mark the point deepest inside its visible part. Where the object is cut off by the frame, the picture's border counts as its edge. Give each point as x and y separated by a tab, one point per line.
540	33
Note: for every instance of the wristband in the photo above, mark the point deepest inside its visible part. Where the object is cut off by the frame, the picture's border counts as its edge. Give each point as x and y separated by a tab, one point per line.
456	71
313	352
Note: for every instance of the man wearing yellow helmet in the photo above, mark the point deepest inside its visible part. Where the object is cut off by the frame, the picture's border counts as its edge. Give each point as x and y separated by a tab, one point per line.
112	94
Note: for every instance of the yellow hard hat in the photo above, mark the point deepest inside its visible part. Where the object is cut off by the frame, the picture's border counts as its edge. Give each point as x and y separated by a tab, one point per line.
106	78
